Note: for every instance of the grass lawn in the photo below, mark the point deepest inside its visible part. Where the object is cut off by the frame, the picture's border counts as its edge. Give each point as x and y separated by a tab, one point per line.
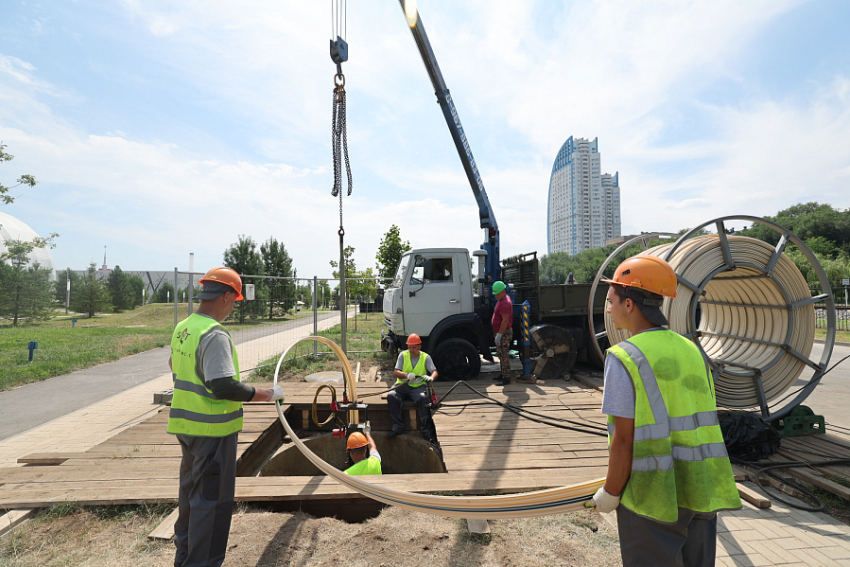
299	363
840	336
63	348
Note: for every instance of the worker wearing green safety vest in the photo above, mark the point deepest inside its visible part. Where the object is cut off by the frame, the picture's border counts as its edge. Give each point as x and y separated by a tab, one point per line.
206	417
363	452
413	369
668	470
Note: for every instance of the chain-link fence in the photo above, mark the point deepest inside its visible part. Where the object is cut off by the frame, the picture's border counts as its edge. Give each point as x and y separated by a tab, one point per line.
277	311
842	311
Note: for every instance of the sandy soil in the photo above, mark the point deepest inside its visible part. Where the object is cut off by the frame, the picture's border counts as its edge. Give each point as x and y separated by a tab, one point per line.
266	539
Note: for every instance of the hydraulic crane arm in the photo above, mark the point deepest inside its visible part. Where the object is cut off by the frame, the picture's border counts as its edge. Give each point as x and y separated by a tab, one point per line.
485	211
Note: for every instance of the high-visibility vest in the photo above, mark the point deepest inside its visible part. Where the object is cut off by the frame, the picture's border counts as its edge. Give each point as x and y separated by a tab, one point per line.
194	408
679	457
407	368
369	465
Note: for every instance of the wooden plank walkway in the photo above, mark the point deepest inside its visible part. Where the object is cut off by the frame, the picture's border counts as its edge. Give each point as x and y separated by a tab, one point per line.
486	449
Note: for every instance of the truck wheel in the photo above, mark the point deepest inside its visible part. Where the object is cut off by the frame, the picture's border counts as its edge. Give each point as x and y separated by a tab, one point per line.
554	349
457	359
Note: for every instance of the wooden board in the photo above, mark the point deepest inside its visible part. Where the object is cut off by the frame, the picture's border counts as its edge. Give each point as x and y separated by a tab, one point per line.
486	450
752	496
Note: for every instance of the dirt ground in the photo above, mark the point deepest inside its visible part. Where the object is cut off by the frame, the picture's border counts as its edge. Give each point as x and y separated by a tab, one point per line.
258	538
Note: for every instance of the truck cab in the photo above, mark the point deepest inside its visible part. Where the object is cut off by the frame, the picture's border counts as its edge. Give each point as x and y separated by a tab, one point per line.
433	296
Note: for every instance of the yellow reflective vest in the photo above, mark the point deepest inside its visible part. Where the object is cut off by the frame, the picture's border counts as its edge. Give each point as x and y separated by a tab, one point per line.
420	369
679	457
369	465
194	408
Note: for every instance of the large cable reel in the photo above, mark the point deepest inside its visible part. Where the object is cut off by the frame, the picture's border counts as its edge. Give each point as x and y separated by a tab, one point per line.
555	350
749	310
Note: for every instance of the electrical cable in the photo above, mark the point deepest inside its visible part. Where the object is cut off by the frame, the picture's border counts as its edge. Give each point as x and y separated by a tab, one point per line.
521	505
315	413
775	465
816	380
547	420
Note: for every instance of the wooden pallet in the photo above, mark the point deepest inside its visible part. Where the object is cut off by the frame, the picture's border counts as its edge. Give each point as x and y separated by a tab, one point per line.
486	450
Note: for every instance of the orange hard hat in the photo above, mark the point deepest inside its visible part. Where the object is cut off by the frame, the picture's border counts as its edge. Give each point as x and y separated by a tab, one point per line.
356	440
414	339
227	276
649	273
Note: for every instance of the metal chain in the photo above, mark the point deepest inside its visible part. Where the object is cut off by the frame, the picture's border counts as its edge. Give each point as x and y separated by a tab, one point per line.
339	136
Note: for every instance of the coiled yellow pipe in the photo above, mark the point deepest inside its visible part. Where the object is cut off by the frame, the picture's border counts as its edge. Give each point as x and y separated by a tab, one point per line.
747	320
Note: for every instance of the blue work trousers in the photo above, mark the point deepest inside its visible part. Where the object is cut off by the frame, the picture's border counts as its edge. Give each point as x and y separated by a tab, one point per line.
207	487
419	396
690	542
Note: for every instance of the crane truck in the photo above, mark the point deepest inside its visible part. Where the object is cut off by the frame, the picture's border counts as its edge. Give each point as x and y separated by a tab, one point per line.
435	295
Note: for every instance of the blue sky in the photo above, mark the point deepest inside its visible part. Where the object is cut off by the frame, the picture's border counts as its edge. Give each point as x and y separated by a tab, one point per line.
163	128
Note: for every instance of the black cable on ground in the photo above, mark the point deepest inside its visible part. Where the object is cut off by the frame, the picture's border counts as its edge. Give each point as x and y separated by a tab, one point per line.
791	465
583	428
833	426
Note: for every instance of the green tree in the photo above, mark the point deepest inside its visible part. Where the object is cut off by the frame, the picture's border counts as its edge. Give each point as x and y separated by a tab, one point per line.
278	263
136	285
363	286
822	247
62	279
120	290
390	252
350	271
323	294
304	293
183	293
243	257
91	296
809	221
25	292
164	293
28	180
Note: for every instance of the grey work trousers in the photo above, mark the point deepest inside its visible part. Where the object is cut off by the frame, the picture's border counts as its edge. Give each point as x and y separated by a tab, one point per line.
419	396
690	542
207	487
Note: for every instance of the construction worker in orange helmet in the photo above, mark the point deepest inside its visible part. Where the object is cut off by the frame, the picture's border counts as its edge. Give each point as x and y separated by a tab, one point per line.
646	280
413	369
414	339
206	417
668	471
222	275
363	452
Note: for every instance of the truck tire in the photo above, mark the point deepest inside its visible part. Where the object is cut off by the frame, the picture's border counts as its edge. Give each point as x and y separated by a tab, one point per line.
457	359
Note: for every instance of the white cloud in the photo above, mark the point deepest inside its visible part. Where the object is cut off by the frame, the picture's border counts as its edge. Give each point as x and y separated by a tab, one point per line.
525	76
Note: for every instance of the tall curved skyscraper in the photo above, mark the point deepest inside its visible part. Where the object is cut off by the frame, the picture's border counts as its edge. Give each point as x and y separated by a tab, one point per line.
584	204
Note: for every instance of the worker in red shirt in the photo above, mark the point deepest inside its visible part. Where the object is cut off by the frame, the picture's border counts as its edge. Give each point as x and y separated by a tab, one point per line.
503	320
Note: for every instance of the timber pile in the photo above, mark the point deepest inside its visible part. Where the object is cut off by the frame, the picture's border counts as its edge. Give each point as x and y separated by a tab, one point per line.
817	447
486	450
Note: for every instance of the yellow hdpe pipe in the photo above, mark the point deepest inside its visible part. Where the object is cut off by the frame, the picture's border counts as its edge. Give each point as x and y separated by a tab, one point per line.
523	505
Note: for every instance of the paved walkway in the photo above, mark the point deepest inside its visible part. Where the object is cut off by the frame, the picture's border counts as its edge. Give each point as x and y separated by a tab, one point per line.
751	536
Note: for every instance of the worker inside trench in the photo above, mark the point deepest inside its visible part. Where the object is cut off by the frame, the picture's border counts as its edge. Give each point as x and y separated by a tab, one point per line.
403	454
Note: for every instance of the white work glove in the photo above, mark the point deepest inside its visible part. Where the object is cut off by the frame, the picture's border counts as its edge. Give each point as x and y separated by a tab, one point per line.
604	502
277	393
411	377
498	339
367	428
428	378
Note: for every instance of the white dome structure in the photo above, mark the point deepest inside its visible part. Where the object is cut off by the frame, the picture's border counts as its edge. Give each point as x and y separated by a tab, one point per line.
14	229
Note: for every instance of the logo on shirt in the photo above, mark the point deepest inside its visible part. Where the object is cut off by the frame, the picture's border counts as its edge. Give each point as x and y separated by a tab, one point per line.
183	335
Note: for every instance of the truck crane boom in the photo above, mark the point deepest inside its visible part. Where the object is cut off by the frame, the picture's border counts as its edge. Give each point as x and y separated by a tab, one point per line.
485	211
